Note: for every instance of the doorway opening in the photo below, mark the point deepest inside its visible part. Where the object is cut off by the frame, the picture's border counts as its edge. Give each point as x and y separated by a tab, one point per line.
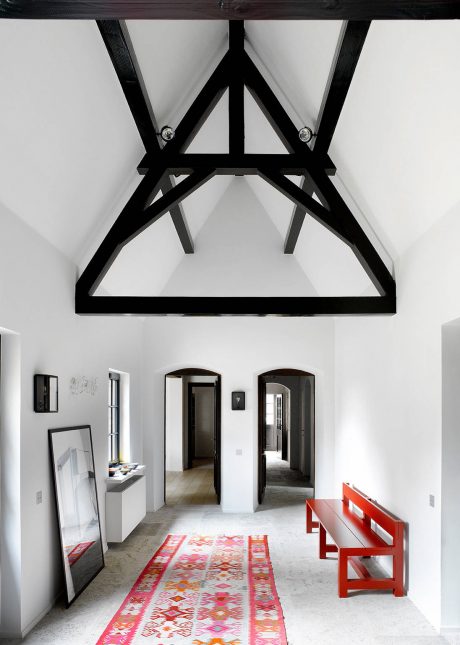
192	437
286	437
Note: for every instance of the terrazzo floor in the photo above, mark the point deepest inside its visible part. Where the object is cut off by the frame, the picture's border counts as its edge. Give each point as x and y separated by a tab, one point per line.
306	585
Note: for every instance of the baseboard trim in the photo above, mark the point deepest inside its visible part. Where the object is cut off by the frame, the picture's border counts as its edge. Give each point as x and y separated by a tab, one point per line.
36	620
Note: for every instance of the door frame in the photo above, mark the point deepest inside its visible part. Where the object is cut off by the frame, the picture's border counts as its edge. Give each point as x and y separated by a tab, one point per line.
261	393
196	371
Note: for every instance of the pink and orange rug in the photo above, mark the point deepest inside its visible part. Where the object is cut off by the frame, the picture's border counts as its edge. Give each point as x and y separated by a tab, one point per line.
74	553
202	590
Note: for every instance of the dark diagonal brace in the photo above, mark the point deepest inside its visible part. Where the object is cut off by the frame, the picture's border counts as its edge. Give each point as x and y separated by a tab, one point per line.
114	241
162	205
135	218
346	58
298	217
122	55
325	217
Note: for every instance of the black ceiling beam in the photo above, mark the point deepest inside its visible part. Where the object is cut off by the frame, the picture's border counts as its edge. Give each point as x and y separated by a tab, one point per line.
228	306
140	212
348	50
298	217
325	217
152	213
136	216
236	89
323	187
232	164
351	41
198	112
119	46
341	222
232	9
225	164
114	241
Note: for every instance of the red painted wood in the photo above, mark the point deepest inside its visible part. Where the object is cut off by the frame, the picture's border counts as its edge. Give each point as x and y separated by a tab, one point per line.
343	575
338	531
358	526
353	536
370	508
310	524
359	567
371	583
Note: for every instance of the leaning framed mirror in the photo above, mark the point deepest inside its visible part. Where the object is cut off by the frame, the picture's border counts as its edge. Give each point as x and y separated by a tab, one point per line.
77	506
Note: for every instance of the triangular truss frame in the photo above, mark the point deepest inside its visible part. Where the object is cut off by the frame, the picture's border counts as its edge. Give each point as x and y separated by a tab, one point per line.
234	72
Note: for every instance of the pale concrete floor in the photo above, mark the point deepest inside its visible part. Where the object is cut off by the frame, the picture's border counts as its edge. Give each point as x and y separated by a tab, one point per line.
279	472
192	486
307	586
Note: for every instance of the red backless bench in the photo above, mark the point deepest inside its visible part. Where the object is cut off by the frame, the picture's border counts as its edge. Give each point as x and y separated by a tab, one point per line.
354	537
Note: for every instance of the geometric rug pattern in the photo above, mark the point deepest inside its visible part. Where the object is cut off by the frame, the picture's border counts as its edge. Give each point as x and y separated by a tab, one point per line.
74	553
202	590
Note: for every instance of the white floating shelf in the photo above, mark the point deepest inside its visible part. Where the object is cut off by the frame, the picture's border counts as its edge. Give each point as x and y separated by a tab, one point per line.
119	479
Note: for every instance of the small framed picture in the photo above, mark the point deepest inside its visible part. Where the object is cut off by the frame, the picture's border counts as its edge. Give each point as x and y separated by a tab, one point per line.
238	400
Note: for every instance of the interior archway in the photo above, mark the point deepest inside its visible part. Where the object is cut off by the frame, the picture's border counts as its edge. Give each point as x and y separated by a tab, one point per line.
192	437
286	433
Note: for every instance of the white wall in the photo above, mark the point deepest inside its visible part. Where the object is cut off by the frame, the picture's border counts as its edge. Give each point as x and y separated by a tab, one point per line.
389	403
174	431
238	253
37	302
450	519
239	349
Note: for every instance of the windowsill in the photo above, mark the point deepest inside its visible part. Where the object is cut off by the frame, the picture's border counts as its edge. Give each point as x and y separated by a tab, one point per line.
119	479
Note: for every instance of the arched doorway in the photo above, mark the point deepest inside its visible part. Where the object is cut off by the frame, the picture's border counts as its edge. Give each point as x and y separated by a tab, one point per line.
286	430
192	435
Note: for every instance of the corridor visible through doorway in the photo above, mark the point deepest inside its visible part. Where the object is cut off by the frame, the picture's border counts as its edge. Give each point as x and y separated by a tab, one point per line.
192	437
286	434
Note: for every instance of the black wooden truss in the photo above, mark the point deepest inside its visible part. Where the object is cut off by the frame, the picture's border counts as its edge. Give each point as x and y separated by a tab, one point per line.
234	72
232	9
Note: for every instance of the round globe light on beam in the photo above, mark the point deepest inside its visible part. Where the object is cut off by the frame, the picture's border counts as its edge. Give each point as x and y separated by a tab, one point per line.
306	134
167	133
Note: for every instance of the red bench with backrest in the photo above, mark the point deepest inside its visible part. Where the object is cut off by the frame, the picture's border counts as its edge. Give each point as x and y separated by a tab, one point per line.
354	537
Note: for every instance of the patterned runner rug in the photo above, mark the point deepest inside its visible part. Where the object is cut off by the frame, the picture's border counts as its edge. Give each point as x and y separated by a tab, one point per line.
202	590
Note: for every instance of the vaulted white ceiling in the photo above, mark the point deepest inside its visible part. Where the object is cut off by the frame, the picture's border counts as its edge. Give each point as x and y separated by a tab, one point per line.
69	147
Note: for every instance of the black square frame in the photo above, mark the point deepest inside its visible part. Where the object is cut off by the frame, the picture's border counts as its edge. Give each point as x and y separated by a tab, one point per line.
238	400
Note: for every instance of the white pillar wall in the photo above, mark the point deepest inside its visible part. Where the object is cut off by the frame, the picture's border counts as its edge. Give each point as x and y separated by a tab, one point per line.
239	349
174	428
450	484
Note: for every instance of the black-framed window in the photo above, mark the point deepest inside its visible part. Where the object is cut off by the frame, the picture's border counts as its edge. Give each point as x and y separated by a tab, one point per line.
114	418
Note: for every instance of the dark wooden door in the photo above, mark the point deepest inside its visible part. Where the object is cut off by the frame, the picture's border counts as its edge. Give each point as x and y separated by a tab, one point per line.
217	440
191	427
262	460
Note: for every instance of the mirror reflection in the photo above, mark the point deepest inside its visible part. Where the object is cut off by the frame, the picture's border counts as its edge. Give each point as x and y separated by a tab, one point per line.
77	506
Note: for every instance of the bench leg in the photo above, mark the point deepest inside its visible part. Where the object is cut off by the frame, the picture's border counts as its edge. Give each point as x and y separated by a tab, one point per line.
310	523
343	575
398	572
322	542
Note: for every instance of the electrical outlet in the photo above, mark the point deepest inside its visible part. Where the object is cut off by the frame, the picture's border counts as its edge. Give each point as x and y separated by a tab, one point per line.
432	500
39	497
239	452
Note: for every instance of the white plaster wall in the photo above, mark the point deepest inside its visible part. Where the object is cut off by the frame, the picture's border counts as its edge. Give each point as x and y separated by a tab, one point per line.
389	403
36	301
174	432
450	509
239	349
